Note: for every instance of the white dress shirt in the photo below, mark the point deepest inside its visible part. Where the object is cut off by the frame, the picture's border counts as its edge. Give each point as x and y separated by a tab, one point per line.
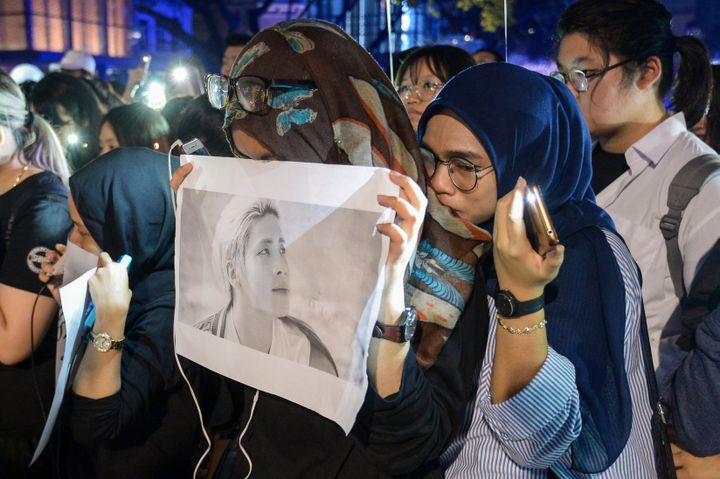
638	199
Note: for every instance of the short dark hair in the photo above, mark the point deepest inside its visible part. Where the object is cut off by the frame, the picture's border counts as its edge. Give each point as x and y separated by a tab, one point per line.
237	39
137	124
636	30
444	61
78	100
200	120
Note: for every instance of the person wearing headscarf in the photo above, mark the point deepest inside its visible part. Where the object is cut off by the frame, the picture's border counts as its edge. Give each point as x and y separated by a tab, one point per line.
309	92
581	354
130	414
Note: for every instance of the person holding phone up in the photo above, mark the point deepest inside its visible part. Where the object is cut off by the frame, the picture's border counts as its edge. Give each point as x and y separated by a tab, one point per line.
560	383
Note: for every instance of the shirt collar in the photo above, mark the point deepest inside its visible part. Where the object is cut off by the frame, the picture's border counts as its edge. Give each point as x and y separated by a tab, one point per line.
651	148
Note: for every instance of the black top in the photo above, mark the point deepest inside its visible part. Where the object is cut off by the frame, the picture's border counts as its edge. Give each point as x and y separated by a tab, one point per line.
38	211
607	167
148	429
400	436
41	219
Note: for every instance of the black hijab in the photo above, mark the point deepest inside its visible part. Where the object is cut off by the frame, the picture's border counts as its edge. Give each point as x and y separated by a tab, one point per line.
123	198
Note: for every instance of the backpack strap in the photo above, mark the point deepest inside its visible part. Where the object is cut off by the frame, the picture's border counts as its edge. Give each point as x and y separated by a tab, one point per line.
703	297
684	187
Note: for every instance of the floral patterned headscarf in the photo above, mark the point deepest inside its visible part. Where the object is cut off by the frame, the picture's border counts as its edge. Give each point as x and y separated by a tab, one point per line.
352	115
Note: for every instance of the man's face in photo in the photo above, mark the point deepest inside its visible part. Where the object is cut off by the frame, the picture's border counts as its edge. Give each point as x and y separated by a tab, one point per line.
267	275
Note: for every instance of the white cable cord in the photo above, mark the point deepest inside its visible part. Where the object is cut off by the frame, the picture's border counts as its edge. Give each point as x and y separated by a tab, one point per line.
242	449
170	173
202	423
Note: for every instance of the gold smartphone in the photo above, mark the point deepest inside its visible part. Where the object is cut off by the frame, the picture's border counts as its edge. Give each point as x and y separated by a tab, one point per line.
538	224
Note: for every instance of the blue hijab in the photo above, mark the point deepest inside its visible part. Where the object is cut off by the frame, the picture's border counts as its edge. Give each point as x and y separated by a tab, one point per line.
531	126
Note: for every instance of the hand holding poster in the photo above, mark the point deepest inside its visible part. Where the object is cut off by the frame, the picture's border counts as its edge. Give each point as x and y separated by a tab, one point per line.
278	275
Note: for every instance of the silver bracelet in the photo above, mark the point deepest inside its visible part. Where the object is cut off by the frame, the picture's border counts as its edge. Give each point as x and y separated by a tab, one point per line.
526	330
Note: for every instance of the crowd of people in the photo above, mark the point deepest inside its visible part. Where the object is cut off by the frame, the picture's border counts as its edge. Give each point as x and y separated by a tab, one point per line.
598	358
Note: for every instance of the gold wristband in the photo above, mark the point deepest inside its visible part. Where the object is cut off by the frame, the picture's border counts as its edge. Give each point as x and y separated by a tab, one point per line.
526	330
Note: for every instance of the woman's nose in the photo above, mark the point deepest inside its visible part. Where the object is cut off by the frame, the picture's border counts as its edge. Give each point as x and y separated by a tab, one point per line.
441	182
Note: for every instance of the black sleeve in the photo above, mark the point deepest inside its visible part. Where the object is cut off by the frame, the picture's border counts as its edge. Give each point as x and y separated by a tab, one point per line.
40	223
148	371
692	391
406	433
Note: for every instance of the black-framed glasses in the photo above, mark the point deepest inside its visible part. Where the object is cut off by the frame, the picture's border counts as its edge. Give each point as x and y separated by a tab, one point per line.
580	79
424	92
463	174
254	94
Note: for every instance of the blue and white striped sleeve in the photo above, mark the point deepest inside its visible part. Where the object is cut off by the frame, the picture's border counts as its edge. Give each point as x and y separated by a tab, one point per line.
537	425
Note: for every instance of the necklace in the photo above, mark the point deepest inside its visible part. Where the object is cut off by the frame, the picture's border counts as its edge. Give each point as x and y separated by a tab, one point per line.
19	177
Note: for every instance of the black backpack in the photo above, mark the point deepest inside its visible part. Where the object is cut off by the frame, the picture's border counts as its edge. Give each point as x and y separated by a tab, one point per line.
704	293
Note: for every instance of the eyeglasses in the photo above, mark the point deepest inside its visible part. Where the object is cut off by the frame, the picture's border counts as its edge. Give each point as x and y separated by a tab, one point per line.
580	79
463	173
254	94
424	92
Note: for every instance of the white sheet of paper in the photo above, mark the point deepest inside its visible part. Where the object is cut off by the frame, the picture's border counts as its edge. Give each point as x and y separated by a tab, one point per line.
327	217
72	297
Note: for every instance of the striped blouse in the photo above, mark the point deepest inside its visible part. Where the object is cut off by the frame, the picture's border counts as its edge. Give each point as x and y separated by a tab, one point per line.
532	431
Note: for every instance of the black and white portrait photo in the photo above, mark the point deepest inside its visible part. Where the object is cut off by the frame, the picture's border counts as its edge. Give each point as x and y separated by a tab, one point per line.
250	254
278	294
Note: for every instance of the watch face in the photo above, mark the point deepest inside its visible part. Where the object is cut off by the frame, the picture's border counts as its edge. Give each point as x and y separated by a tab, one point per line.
102	342
505	303
410	324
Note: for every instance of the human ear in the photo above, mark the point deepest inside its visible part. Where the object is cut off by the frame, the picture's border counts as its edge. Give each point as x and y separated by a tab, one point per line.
231	273
651	73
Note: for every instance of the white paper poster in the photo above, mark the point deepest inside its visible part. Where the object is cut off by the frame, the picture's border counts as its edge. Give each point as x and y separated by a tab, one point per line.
278	271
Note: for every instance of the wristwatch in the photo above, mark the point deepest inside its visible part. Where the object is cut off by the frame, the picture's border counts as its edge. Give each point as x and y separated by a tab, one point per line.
103	342
400	333
509	307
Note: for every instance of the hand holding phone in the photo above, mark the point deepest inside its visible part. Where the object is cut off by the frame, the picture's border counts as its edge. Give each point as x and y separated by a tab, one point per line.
538	224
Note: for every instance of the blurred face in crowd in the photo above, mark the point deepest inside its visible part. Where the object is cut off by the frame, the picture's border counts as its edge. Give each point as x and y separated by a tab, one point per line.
484	57
108	140
229	56
449	139
417	95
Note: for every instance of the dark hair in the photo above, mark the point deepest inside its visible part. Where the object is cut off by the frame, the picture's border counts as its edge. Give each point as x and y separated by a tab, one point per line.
444	61
237	39
137	125
173	110
495	54
200	120
637	30
57	90
713	115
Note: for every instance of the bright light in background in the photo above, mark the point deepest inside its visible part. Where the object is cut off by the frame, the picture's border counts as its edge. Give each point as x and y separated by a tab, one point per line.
72	139
155	95
405	22
180	74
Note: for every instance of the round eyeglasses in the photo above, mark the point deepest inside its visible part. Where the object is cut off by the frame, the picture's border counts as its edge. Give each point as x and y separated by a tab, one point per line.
463	174
424	92
254	94
580	79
